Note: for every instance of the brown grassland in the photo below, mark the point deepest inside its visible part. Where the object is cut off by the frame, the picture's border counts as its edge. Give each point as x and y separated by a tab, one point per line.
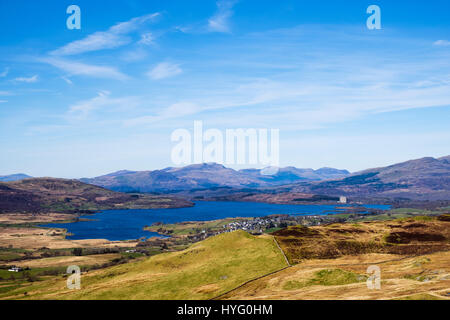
427	277
36	238
325	262
330	262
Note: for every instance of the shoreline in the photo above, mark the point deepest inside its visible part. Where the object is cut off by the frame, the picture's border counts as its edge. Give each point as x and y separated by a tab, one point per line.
335	209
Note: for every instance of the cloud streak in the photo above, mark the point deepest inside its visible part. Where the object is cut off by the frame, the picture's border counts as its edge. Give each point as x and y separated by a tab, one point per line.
114	37
220	22
83	69
100	103
27	80
314	90
164	70
4	73
442	43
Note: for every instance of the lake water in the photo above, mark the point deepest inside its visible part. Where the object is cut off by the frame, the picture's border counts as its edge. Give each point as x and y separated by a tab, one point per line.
115	225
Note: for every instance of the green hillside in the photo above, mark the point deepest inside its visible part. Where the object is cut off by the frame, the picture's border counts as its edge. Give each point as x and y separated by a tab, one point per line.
205	270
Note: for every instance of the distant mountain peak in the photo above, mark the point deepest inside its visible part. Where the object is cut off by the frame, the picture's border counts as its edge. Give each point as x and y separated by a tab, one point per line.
207	165
14	177
121	172
332	170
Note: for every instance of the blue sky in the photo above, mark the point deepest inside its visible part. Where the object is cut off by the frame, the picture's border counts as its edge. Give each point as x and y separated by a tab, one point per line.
80	103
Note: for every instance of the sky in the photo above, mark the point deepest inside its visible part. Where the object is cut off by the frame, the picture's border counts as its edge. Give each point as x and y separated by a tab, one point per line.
84	102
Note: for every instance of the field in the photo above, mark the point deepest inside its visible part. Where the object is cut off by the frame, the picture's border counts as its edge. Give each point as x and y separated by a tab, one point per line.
330	262
37	238
325	262
205	270
405	236
423	278
95	259
24	219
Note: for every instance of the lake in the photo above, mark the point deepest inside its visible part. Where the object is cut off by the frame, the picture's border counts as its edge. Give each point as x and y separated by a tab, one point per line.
116	225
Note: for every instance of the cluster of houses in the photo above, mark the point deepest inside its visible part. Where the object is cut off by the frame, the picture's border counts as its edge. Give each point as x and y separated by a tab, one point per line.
256	225
259	225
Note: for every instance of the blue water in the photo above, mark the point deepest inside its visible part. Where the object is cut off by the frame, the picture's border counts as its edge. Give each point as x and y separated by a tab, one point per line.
116	225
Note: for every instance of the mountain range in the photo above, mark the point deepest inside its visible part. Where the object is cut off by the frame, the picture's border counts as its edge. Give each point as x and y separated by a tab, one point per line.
206	176
420	179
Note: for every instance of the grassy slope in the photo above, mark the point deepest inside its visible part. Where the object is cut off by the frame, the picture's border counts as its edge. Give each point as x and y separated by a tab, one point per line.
344	279
413	254
406	236
205	270
333	264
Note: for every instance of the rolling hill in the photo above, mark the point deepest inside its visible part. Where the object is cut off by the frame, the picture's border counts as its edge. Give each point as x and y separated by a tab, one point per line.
326	262
39	195
203	271
421	179
330	262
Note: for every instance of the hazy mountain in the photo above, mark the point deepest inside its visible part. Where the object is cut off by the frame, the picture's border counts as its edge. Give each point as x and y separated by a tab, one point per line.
208	175
421	179
14	177
291	174
142	181
447	158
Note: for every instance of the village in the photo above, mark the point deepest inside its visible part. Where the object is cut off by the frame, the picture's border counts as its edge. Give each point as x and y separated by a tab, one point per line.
258	226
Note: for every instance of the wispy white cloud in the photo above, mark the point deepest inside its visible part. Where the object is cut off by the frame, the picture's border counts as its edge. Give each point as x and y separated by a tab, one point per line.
315	87
3	101
67	80
304	105
27	80
220	22
147	39
4	73
114	37
184	29
134	55
100	103
175	110
443	43
82	109
165	70
83	69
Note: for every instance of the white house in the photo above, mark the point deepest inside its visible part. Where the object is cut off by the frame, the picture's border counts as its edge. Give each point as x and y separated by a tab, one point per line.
14	269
